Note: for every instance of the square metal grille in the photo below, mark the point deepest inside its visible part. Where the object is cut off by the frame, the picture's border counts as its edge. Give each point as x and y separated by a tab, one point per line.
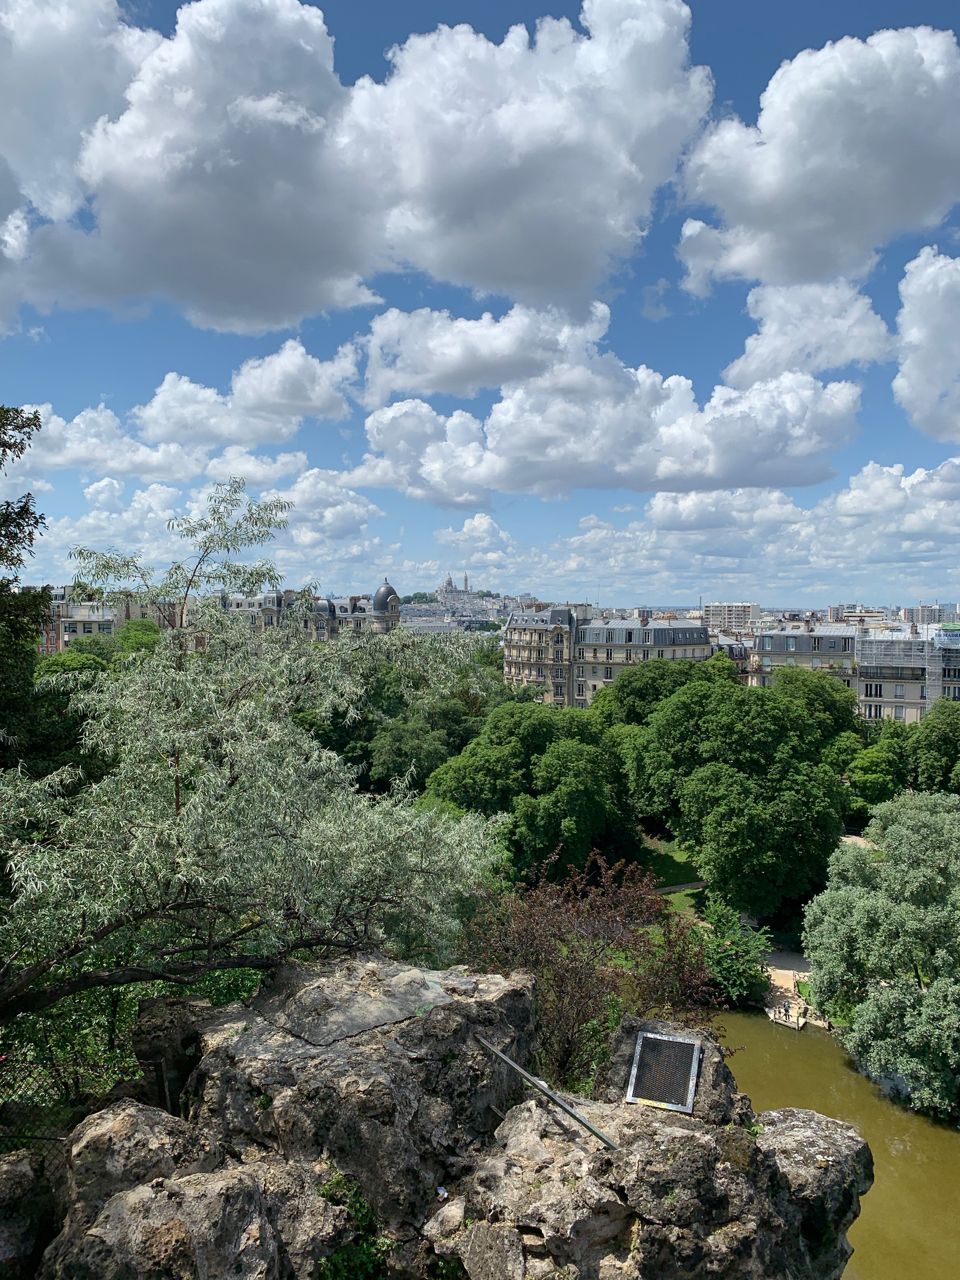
665	1070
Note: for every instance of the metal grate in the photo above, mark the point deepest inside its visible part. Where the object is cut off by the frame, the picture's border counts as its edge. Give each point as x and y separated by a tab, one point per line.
665	1070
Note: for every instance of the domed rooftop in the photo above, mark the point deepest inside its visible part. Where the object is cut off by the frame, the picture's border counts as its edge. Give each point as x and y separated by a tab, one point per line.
381	600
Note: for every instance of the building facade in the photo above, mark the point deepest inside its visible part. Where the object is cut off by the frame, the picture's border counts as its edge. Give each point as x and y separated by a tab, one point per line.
326	617
731	616
897	671
570	654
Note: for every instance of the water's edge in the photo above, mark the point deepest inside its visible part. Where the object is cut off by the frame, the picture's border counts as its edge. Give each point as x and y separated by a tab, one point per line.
909	1224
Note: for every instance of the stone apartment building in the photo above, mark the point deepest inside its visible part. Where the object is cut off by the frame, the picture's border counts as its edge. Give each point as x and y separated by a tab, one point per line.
327	617
897	671
570	654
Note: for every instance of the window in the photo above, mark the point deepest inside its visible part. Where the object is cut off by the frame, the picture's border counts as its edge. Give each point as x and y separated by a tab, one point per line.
845	645
608	673
581	691
629	637
106	628
791	644
558	673
660	653
898	691
872	690
873	711
558	692
646	637
832	644
88	628
629	656
646	654
540	672
815	644
767	642
70	628
952	691
899	713
923	693
579	673
579	653
609	655
595	652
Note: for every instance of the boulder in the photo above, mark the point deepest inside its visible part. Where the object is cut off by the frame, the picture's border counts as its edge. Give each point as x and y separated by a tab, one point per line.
28	1213
367	1057
349	1113
679	1197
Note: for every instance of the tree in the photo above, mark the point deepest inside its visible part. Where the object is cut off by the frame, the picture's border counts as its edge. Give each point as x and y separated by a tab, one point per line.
935	747
600	942
735	954
21	612
882	941
223	837
736	774
638	690
546	769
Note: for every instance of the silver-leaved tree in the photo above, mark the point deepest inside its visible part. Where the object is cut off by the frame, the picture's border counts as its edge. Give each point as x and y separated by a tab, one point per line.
221	837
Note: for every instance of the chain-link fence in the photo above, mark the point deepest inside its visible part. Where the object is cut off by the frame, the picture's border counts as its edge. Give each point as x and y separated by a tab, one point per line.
41	1102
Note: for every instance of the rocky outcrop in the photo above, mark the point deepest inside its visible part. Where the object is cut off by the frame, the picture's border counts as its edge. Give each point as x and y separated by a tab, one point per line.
678	1198
352	1109
27	1210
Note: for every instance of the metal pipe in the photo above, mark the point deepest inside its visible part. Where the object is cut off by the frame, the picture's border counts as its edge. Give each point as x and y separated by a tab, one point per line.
554	1098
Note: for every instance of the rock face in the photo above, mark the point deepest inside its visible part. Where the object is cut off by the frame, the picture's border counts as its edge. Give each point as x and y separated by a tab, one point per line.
26	1211
352	1108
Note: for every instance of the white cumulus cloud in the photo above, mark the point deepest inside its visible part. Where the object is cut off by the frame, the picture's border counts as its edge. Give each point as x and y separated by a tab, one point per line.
927	384
854	144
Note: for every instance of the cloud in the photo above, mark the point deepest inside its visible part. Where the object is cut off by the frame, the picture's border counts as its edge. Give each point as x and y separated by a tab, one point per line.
854	144
480	532
228	171
527	168
811	327
593	422
324	508
426	352
95	441
268	401
258	471
104	494
927	384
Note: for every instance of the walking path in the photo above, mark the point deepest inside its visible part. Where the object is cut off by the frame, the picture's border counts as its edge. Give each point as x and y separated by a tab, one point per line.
784	1003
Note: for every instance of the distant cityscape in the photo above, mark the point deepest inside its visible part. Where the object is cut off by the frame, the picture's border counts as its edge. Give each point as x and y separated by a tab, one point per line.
898	658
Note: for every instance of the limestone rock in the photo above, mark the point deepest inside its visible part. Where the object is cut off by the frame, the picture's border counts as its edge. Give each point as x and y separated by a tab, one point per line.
370	1057
28	1215
678	1198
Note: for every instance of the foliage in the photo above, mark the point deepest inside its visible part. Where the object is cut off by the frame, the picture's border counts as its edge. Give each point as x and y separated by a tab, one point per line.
737	774
229	525
364	1257
935	748
638	690
21	612
882	941
419	597
223	837
735	954
546	769
599	942
415	701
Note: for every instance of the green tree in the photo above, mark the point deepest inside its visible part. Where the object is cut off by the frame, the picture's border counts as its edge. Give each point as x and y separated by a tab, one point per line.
882	941
638	690
736	774
735	954
21	612
223	837
935	747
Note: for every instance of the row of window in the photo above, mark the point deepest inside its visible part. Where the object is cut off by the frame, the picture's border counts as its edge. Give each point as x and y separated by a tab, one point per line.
89	628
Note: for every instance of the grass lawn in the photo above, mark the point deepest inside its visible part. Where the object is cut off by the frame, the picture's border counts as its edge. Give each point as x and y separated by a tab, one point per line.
690	902
669	863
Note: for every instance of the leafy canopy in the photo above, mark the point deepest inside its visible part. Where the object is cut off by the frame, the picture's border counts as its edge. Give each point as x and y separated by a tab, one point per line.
882	941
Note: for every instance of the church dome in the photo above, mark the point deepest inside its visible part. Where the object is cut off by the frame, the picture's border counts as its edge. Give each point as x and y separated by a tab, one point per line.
381	601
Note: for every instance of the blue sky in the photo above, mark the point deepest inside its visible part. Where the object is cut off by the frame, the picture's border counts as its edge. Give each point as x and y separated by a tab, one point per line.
645	302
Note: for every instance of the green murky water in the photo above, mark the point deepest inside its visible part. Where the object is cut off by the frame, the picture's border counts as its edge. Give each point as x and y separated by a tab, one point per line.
909	1224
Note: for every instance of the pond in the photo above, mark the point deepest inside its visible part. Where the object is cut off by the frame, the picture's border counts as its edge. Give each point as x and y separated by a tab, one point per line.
909	1222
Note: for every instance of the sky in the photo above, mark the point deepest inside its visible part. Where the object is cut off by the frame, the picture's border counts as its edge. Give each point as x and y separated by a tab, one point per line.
640	301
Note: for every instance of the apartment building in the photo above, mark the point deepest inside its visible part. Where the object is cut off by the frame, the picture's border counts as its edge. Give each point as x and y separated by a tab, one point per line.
327	617
570	654
896	670
731	616
826	647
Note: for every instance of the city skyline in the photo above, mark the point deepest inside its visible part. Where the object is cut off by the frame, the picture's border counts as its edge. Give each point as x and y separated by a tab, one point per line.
631	302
